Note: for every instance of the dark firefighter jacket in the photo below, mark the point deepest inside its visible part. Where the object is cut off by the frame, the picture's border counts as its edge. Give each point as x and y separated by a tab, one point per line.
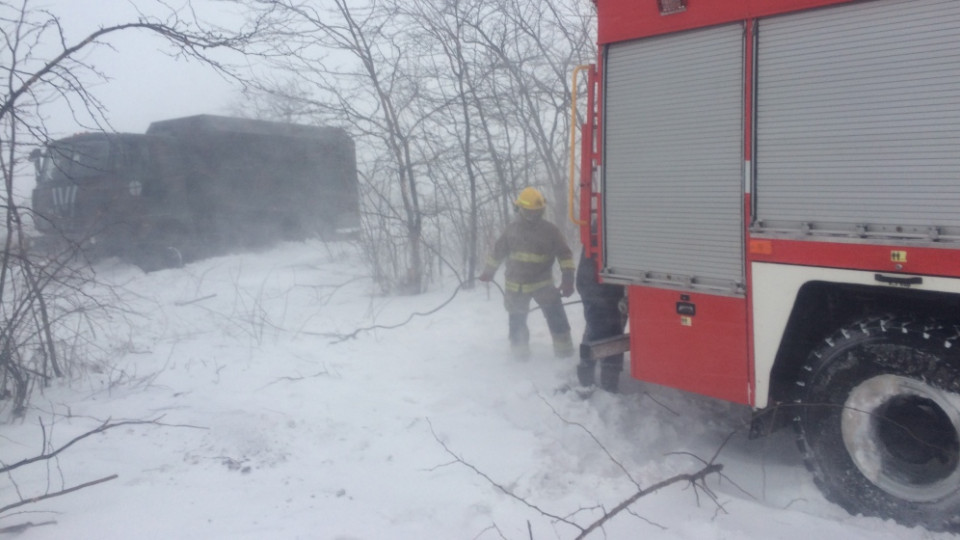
529	249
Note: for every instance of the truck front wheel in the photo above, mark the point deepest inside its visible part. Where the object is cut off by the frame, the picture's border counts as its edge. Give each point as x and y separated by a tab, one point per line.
879	421
164	248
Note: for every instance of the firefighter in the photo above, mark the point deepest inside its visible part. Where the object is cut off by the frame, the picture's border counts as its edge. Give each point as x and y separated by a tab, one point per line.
530	244
604	317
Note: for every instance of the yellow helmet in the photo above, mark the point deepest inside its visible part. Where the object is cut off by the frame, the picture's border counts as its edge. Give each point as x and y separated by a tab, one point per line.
531	199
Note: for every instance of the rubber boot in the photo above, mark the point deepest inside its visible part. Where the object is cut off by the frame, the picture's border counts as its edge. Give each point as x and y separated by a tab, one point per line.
609	378
585	373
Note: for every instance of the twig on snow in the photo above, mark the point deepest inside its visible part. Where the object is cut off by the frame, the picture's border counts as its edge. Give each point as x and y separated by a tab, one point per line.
493	483
45	496
195	300
692	478
353	335
296	379
595	440
106	425
20	527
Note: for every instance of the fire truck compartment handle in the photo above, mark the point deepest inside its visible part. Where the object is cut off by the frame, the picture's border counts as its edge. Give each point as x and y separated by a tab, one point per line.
902	281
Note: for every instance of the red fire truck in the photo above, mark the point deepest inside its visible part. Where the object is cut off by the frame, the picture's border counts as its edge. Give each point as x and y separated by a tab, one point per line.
776	183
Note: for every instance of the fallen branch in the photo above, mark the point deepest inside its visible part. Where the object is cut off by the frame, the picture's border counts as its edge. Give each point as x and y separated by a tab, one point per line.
353	335
692	478
106	425
504	490
39	498
714	458
695	479
325	372
590	434
194	301
20	527
340	337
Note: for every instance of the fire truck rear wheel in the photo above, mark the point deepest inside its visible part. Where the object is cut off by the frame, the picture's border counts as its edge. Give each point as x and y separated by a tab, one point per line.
879	423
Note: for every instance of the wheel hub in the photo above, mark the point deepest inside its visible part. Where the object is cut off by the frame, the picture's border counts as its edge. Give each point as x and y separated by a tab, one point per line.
904	436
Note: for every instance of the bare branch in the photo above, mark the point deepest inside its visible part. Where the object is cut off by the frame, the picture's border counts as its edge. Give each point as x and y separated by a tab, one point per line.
493	483
696	478
594	438
107	425
46	496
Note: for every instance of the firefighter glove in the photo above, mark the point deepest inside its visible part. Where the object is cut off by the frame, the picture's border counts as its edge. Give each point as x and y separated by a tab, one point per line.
487	275
566	284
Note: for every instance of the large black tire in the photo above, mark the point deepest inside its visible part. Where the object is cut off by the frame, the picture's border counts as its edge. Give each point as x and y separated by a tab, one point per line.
165	248
879	421
152	257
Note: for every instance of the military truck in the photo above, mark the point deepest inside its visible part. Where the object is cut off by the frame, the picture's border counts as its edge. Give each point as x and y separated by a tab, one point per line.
193	187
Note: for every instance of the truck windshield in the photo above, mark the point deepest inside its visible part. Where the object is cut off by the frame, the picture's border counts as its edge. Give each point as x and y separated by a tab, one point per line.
75	162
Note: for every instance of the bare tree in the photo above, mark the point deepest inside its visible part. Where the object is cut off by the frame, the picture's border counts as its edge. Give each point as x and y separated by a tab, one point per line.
445	24
40	67
365	86
460	103
537	44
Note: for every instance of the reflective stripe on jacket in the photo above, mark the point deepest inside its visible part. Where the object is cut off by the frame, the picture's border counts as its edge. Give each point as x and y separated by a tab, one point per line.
526	288
529	249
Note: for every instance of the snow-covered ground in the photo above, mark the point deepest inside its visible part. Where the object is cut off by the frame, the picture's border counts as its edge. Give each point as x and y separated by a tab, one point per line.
271	426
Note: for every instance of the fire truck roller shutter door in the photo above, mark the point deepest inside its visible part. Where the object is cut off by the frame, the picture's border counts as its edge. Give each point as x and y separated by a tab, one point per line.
673	161
857	120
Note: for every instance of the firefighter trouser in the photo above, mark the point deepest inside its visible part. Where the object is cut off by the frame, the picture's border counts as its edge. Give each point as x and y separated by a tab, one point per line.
548	298
603	319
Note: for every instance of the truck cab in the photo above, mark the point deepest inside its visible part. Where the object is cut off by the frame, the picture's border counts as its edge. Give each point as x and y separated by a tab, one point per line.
101	193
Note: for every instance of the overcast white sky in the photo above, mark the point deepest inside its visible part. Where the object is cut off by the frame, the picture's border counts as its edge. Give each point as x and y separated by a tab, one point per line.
145	84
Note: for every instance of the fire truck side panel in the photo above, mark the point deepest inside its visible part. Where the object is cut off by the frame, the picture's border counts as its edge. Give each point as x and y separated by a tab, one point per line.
776	288
858	122
853	253
779	189
692	341
673	160
623	20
